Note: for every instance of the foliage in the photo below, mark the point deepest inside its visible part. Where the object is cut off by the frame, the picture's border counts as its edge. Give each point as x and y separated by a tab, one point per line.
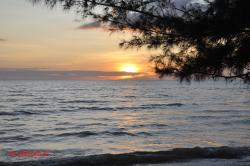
210	39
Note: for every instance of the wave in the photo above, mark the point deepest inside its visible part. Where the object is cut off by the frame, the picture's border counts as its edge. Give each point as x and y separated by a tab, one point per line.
130	96
175	104
20	95
204	117
78	134
13	139
117	133
163	105
83	101
33	105
220	111
175	155
26	113
241	121
91	124
16	91
96	108
12	100
164	95
154	125
141	107
112	133
88	108
18	113
6	113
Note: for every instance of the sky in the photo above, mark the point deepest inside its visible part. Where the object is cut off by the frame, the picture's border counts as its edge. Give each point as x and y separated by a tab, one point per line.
35	38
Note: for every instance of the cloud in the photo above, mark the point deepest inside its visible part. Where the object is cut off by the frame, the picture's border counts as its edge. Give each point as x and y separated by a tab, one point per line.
77	20
3	40
39	74
134	17
92	25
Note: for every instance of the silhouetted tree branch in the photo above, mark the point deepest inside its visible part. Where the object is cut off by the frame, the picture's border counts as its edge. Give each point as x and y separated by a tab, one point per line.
198	41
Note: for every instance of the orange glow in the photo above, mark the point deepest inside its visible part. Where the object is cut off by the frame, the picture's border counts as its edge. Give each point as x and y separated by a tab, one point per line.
130	68
59	45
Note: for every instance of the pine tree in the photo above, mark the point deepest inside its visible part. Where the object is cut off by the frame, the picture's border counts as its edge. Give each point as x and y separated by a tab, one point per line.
210	39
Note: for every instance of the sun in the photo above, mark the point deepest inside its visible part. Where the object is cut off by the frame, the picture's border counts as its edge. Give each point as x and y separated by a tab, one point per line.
129	68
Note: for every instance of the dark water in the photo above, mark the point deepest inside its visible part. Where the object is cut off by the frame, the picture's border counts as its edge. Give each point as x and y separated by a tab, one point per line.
81	118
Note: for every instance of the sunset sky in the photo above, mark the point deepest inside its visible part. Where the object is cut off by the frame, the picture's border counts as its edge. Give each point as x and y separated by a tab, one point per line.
38	38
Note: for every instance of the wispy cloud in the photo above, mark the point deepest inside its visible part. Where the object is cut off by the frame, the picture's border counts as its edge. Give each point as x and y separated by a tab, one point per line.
3	40
92	25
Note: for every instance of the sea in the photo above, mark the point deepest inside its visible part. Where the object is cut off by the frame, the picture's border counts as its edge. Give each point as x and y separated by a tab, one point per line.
161	122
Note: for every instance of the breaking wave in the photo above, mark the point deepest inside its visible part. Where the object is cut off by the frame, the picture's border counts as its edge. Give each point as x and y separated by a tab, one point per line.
175	155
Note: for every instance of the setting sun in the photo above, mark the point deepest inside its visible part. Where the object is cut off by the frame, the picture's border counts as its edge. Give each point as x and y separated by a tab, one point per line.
130	68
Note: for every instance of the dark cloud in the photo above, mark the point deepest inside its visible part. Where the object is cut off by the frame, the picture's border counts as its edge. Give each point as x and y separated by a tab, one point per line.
3	40
33	74
93	25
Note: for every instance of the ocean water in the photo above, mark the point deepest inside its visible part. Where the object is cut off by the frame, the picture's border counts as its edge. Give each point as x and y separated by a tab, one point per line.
81	118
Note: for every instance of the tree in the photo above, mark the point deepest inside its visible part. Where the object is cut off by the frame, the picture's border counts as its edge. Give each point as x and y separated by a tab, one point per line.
209	39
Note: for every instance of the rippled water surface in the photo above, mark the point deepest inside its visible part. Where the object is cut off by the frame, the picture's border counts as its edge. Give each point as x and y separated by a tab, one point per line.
75	118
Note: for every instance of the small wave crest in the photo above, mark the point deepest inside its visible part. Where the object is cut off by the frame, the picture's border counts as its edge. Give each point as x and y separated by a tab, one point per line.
13	139
163	105
33	105
111	133
78	134
16	113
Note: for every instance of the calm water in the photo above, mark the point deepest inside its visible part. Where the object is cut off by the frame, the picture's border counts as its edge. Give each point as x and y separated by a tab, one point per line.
76	118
